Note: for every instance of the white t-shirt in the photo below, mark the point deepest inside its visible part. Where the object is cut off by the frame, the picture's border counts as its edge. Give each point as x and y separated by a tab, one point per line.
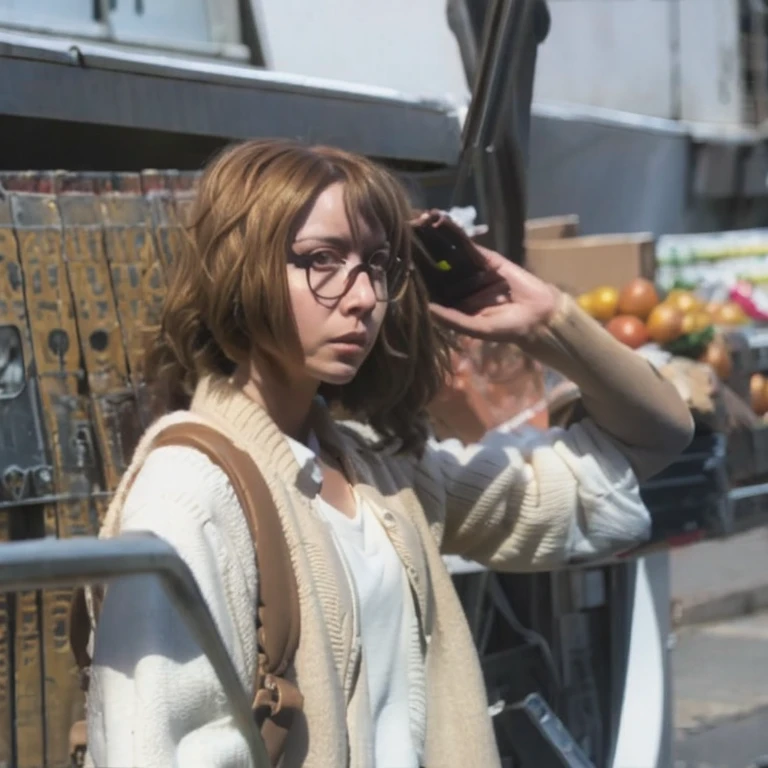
387	619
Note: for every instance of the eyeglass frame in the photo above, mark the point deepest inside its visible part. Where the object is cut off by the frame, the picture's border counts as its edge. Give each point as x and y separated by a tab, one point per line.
304	261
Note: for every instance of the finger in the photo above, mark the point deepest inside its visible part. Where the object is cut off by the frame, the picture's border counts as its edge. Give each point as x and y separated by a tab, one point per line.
440	218
481	326
491	295
489	312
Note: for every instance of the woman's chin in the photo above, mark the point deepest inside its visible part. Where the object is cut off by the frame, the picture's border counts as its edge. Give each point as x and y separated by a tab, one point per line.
338	373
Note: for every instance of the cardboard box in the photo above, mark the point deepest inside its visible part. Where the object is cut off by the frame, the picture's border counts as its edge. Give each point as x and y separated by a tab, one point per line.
552	227
580	264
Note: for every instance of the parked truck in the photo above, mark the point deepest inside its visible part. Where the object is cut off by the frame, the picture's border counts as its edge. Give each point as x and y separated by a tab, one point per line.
110	91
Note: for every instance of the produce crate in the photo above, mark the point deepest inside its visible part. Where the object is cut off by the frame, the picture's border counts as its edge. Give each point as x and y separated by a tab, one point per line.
690	497
82	268
749	347
748	455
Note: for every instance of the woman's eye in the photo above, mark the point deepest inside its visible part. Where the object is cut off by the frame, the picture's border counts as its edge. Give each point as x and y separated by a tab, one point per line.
326	260
380	260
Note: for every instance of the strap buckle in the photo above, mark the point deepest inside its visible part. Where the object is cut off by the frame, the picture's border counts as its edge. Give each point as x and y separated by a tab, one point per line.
276	694
269	695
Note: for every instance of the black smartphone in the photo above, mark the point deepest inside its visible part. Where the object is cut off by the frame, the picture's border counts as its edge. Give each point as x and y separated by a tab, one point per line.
449	264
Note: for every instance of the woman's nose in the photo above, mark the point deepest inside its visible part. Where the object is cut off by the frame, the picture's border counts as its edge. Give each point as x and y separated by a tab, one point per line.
360	293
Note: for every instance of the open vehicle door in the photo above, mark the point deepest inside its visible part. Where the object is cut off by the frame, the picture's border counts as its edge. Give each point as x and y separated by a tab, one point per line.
592	640
498	40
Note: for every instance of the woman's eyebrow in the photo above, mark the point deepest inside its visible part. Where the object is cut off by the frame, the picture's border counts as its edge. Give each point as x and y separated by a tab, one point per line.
340	242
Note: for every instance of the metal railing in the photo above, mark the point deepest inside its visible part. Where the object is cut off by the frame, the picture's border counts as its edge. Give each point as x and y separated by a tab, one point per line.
45	563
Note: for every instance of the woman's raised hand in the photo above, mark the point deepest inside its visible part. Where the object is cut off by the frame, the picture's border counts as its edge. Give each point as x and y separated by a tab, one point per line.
511	309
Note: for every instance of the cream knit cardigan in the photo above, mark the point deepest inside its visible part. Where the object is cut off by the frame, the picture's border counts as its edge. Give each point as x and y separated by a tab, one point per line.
515	503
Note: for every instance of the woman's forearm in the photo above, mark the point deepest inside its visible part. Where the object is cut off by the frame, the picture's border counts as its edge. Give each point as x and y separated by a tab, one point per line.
622	393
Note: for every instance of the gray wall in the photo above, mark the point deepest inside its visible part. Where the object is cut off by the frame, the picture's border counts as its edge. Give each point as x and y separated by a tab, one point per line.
625	174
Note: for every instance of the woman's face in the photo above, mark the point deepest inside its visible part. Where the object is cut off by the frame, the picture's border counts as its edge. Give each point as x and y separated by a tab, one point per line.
338	317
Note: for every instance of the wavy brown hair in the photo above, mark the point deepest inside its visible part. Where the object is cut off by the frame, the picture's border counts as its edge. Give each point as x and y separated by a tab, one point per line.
228	292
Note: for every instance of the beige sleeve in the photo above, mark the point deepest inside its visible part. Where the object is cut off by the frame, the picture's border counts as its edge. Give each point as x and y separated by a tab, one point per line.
622	393
533	500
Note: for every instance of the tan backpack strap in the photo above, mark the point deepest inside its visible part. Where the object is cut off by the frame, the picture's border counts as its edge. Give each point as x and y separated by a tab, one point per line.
276	699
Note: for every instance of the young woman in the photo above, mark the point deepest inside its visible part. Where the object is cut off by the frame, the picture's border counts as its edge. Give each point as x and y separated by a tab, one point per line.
296	300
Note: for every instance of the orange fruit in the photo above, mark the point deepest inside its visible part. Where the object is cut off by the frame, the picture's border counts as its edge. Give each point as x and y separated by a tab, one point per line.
717	355
665	323
628	329
757	393
638	298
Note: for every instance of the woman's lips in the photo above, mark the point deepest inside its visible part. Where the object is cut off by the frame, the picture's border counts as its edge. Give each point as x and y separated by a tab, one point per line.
351	341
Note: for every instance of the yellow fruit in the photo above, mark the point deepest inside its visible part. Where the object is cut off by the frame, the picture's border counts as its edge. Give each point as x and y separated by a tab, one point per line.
605	302
586	302
730	313
701	320
689	324
683	301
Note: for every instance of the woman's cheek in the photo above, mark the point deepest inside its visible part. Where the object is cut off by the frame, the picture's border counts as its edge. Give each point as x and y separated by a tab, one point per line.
379	314
303	303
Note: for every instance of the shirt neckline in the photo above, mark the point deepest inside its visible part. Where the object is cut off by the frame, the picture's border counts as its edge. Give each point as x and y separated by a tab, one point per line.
306	456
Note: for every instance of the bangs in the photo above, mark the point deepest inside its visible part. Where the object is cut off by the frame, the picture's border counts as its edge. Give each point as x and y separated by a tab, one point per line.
371	195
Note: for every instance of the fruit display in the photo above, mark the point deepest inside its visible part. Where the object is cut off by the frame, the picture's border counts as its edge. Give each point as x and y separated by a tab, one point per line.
681	322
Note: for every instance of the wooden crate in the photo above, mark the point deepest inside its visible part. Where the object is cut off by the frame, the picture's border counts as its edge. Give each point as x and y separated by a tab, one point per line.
82	272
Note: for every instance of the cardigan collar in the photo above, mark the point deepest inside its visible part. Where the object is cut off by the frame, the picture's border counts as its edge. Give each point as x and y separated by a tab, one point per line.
249	424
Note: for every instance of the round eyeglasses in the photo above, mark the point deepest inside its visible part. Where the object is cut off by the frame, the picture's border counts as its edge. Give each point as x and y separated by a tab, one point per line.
330	276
